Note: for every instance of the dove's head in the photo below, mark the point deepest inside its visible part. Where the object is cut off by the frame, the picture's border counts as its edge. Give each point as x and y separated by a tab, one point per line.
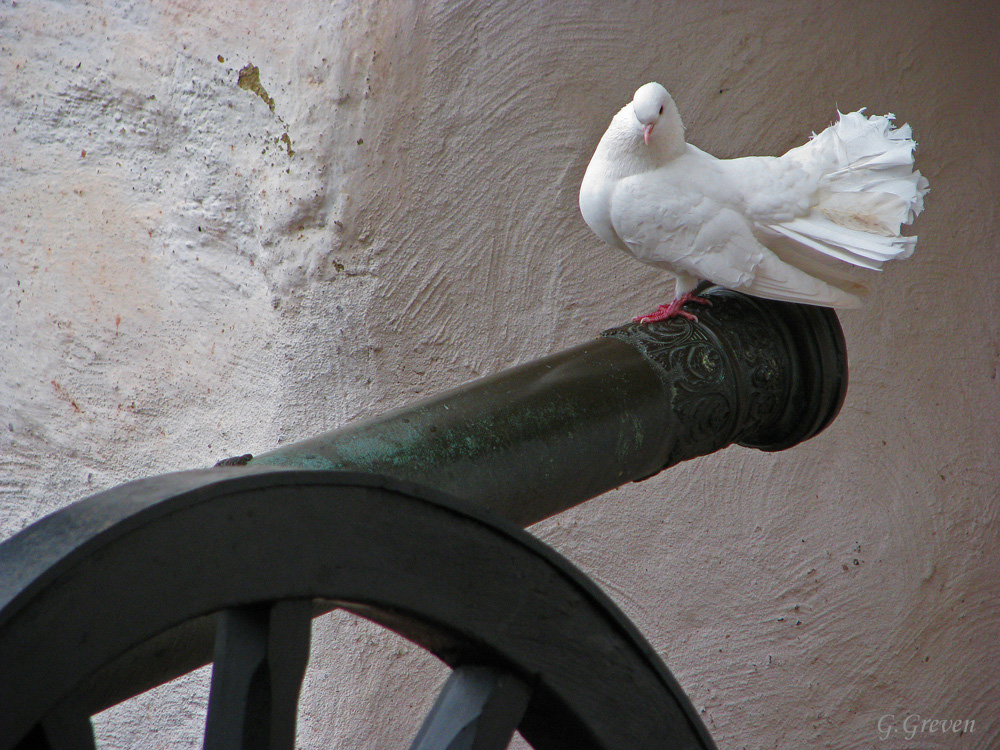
656	112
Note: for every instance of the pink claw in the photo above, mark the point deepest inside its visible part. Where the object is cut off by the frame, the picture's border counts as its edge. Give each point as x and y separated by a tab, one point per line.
674	310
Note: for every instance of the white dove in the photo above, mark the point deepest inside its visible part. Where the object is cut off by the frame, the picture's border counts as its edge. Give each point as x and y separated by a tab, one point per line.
775	227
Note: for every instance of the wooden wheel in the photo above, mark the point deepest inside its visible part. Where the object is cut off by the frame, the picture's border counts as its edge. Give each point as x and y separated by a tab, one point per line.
230	565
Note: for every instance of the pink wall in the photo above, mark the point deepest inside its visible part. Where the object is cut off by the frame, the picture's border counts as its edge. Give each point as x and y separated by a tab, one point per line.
177	288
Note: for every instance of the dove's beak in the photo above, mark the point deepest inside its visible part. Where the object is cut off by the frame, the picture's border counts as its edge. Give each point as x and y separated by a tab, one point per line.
647	133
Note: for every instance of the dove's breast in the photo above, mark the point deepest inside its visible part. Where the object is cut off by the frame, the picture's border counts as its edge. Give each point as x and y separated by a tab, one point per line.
595	202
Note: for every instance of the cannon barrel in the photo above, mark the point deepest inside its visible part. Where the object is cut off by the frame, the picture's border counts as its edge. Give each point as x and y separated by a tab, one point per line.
537	439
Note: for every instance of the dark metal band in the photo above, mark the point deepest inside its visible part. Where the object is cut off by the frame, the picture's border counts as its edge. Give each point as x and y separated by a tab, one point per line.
759	373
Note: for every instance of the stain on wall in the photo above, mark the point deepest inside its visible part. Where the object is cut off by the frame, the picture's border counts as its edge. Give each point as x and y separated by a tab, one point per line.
249	80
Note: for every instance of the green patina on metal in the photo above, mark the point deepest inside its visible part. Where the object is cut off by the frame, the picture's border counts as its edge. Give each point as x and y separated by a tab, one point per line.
536	439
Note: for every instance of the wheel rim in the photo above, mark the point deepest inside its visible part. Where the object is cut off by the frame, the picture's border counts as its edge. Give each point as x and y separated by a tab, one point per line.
83	587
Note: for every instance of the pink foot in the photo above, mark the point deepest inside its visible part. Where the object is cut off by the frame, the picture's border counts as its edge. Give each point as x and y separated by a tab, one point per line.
674	310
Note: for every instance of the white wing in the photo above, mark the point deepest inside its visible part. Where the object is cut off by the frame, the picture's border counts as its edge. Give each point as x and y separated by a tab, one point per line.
690	221
670	225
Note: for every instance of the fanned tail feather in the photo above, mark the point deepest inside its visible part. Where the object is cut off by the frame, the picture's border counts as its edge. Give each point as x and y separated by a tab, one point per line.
867	189
776	279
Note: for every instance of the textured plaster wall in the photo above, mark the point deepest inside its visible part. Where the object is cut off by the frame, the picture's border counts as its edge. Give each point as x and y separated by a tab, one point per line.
191	269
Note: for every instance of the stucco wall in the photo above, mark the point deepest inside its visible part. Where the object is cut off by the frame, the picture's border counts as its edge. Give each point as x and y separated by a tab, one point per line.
187	273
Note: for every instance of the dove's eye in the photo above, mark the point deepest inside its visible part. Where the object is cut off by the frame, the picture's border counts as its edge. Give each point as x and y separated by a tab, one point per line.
661	109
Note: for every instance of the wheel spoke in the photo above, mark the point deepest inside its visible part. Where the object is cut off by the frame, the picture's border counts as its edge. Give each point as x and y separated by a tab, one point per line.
261	653
479	708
